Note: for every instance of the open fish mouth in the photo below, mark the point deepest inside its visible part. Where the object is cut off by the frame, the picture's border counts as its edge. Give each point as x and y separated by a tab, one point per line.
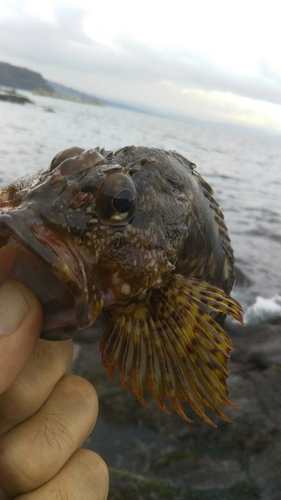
52	268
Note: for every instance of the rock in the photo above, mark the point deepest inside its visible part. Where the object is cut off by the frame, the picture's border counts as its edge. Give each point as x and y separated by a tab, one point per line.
155	456
241	279
255	345
265	468
13	96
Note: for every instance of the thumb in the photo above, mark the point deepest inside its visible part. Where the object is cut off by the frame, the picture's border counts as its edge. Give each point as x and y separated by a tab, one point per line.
20	326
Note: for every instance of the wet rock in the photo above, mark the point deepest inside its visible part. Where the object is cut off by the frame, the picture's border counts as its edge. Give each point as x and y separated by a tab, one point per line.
13	96
241	279
256	346
266	469
154	456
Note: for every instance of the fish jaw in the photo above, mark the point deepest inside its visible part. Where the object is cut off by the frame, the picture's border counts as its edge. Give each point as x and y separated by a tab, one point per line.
52	266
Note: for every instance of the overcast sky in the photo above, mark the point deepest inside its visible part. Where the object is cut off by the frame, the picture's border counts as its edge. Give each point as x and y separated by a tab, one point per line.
208	59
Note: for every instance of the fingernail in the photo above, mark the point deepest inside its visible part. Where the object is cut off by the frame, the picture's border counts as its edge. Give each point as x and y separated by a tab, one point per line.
13	308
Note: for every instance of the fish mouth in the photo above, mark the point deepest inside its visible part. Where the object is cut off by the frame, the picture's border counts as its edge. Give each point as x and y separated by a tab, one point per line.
52	267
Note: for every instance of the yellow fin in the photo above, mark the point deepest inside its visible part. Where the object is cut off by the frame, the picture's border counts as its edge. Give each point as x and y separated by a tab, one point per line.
171	345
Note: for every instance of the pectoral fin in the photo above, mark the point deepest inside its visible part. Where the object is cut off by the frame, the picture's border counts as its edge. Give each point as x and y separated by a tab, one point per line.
170	344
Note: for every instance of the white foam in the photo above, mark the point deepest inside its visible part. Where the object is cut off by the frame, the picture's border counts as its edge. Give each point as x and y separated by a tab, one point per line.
263	310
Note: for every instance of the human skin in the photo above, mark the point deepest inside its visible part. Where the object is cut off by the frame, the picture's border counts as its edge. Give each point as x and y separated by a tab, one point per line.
45	414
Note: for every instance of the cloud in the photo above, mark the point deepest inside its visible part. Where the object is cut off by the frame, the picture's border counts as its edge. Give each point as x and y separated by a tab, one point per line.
128	69
37	41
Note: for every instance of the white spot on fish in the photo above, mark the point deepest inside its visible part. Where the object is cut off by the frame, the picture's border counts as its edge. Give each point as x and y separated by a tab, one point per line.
125	288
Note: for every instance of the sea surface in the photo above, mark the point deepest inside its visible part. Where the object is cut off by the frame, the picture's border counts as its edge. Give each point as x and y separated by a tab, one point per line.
242	166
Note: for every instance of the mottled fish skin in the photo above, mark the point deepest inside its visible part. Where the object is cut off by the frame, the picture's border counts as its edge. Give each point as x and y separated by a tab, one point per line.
135	233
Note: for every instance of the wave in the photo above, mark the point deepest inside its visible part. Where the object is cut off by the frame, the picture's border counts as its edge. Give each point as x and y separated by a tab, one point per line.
264	311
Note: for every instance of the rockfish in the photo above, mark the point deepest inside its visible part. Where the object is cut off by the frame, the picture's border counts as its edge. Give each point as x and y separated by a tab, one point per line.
134	233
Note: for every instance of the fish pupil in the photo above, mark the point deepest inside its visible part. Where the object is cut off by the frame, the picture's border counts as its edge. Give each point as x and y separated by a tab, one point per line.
123	201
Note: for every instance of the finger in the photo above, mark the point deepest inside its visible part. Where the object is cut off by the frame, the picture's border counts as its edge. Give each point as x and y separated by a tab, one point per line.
33	452
84	477
20	327
48	362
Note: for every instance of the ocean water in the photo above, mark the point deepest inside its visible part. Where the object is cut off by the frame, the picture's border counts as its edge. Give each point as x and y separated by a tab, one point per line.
243	168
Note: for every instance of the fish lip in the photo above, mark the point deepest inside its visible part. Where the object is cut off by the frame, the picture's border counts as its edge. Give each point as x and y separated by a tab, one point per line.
62	324
13	223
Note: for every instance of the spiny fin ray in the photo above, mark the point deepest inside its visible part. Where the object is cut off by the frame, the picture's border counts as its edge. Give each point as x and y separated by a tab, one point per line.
171	345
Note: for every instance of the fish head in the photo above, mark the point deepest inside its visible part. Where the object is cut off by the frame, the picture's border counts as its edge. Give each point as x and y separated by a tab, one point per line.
89	233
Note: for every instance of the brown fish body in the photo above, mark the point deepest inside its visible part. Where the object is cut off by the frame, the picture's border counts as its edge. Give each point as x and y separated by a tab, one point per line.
135	233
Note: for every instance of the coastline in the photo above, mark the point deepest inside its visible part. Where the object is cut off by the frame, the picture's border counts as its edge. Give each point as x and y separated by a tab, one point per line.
67	97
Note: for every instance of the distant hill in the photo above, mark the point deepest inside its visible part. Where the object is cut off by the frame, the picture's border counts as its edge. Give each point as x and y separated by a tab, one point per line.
25	79
22	78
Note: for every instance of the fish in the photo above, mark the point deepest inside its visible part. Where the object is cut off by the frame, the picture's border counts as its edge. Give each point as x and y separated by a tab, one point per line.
136	234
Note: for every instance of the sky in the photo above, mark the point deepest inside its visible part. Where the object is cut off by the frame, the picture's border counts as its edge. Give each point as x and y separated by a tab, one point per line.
212	60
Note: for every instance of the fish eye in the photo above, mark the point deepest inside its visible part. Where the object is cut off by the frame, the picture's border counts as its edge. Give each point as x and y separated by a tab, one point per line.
117	198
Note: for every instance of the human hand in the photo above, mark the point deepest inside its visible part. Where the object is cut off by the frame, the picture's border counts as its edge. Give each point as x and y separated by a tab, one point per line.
45	415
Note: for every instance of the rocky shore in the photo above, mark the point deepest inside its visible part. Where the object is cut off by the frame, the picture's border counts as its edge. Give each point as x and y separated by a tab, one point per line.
155	456
13	96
